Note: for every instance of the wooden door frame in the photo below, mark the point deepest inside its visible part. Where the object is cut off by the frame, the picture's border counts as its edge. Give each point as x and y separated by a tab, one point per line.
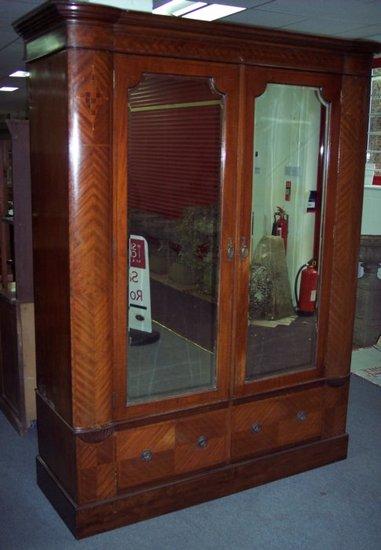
128	71
254	81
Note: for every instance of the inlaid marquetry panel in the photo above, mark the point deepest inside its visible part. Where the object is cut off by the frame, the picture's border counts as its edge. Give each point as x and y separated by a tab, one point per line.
348	208
90	82
96	470
145	454
335	410
213	49
201	441
268	424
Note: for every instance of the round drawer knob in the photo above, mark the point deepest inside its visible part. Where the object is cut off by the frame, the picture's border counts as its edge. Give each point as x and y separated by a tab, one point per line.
256	428
146	455
202	441
301	416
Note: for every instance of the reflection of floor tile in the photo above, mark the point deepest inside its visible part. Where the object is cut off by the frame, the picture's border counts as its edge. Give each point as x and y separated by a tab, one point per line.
169	366
366	362
281	348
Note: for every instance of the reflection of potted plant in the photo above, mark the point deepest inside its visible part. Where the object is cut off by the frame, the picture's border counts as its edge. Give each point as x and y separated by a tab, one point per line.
260	291
183	269
207	276
196	262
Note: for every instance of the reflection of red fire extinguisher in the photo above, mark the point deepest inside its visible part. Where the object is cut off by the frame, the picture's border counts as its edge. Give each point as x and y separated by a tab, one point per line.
306	302
280	225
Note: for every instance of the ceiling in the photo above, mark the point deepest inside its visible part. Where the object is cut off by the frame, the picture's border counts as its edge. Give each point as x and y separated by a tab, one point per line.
355	19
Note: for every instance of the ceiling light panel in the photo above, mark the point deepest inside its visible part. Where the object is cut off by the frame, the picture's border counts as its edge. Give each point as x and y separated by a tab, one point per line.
213	12
8	89
20	74
170	7
138	5
193	6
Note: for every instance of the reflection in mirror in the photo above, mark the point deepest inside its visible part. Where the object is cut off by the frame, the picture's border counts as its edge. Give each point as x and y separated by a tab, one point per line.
174	174
289	139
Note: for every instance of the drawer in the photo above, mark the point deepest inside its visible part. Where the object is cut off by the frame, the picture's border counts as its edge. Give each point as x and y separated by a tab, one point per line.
201	441
269	424
145	454
159	451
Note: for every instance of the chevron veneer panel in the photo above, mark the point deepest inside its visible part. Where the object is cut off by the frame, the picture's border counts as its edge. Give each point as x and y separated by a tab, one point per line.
96	470
346	234
273	423
90	81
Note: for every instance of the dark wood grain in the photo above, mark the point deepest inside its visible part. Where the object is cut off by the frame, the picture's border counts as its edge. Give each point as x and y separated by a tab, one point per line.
202	441
128	73
49	164
96	469
335	409
133	469
91	442
270	424
146	34
90	244
145	504
12	388
56	446
254	82
352	134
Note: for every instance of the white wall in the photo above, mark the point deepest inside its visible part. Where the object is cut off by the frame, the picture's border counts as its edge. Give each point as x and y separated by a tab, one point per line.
371	212
287	128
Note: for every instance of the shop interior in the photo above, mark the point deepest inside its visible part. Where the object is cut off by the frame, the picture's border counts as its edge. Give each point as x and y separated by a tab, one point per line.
174	174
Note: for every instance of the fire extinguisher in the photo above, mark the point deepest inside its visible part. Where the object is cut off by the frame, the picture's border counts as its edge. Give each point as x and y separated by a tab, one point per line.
280	225
306	302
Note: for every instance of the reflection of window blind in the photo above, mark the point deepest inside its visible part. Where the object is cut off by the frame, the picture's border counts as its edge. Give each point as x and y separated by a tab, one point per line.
174	145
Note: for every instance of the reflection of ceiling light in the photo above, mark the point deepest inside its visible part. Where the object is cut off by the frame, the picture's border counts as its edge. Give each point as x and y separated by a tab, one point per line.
170	7
139	5
193	6
213	12
8	89
20	74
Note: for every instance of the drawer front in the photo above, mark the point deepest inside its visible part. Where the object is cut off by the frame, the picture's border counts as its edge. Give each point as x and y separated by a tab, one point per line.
145	454
262	426
201	441
165	450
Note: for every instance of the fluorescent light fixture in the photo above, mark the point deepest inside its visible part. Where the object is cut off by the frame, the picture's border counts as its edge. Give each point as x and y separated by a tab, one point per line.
138	5
193	6
213	12
172	6
7	89
20	74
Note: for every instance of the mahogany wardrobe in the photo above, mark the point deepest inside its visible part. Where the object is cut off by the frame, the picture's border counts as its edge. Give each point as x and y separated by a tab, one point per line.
196	195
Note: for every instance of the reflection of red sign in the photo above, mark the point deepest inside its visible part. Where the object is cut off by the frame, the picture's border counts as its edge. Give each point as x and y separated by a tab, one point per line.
137	256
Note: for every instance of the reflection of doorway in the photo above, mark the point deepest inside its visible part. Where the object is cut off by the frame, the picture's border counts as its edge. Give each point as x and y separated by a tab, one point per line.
289	135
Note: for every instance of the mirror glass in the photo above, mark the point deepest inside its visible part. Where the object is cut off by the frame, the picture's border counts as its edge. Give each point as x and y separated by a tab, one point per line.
287	198
174	188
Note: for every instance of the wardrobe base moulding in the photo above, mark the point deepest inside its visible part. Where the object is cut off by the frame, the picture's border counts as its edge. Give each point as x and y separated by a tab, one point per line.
143	504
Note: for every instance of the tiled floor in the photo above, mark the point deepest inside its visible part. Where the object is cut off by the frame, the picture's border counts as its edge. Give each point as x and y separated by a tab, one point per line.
366	362
171	365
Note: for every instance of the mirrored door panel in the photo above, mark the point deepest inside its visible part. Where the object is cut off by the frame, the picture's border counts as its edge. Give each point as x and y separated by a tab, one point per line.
287	198
175	134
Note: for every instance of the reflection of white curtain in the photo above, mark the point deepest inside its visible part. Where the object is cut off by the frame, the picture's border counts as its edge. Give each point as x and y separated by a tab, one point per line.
287	127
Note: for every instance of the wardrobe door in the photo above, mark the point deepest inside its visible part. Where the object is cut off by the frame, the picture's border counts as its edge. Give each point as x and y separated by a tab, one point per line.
285	235
175	172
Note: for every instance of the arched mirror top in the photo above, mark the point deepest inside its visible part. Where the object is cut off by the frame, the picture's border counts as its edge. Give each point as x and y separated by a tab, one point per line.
170	91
